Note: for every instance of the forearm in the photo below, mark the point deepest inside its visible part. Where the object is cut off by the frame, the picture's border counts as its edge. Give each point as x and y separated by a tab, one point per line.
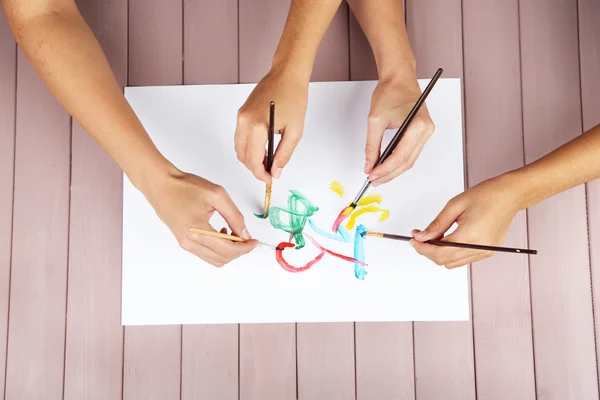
68	59
382	21
306	24
572	164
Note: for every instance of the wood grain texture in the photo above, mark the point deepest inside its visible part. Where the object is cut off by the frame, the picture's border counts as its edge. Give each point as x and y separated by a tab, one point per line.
210	353
494	137
36	338
325	351
331	63
8	86
210	40
444	365
267	361
326	361
384	351
152	358
589	55
94	344
155	42
385	361
563	326
362	61
260	26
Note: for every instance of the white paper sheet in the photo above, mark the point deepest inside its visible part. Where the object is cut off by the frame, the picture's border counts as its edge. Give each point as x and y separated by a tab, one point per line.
193	126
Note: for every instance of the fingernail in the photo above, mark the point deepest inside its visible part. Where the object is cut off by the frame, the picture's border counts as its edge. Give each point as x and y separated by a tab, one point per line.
420	234
277	173
367	165
245	234
373	178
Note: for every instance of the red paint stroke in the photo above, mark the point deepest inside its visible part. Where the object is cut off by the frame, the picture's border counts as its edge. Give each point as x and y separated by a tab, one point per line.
338	221
290	268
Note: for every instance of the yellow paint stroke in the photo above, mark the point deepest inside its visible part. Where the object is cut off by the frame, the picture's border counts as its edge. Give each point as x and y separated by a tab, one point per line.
337	188
385	214
369	199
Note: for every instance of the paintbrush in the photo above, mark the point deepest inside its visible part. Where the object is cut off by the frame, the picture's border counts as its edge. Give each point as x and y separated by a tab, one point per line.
452	244
270	150
390	147
229	237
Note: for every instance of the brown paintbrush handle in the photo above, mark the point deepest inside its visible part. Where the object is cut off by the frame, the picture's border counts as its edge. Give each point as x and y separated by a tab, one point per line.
456	244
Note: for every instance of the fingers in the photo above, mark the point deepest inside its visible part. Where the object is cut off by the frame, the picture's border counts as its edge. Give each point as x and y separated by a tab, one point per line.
250	141
224	205
223	251
375	128
441	223
203	252
289	140
406	153
450	257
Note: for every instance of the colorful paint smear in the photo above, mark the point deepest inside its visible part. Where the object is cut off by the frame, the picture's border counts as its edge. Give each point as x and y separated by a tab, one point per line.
300	209
322	251
337	188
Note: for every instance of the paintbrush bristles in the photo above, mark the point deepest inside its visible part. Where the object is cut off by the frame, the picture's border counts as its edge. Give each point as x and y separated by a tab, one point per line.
376	234
267	199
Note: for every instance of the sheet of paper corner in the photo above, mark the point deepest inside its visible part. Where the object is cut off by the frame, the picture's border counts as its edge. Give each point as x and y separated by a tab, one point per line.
193	126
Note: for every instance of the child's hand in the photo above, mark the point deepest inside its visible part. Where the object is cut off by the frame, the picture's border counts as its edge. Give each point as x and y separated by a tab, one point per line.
184	200
391	102
290	94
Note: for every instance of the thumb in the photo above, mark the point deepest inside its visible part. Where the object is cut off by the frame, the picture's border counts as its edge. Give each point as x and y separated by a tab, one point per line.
375	129
440	224
225	206
287	145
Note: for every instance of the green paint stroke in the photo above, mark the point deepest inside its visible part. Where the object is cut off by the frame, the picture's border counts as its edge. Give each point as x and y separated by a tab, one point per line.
300	209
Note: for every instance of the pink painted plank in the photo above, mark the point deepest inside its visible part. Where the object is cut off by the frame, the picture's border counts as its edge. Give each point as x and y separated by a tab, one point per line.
155	42
331	63
384	351
589	53
444	366
267	351
326	361
152	359
94	344
36	336
260	27
362	61
210	362
563	325
267	361
8	86
385	361
210	30
494	132
210	353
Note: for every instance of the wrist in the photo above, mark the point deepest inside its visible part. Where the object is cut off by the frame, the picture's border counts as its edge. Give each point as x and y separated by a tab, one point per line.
399	71
149	173
525	186
291	67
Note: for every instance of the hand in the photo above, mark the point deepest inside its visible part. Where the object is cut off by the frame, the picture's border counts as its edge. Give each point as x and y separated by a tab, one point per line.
184	200
290	94
483	214
391	102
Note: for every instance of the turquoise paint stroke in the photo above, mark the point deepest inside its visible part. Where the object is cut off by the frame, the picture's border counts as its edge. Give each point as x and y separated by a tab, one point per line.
359	252
342	236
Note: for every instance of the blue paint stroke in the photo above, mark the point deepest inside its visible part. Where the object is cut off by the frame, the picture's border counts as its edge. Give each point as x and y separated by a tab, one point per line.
342	236
359	252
